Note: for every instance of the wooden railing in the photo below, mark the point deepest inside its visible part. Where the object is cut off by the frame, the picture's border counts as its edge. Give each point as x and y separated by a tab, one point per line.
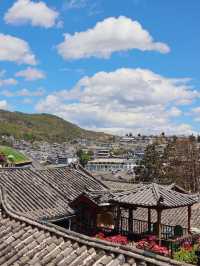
174	244
140	227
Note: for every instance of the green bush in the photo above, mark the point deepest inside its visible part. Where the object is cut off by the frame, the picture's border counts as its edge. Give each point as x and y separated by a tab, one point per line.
186	255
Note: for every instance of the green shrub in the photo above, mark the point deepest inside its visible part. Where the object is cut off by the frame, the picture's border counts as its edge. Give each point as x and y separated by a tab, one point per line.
186	255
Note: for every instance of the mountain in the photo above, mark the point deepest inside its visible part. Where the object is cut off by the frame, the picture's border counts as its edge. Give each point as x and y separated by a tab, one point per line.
44	127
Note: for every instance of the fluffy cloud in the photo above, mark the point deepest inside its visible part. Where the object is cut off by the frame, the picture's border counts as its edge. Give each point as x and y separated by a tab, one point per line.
15	50
3	104
35	13
30	74
126	99
109	36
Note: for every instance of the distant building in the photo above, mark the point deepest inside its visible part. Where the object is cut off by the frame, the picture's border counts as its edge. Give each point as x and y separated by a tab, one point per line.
102	153
110	164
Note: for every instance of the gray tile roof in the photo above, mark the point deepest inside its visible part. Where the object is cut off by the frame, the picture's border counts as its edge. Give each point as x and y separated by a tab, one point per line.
117	185
45	194
152	195
26	242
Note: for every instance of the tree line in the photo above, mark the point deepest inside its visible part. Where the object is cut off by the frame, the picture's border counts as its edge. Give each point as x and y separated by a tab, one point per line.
178	162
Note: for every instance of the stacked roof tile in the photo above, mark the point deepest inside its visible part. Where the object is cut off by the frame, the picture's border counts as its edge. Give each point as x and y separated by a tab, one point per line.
26	242
45	194
153	195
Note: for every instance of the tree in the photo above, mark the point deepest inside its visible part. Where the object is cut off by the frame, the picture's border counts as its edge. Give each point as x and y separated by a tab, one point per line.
84	157
150	167
182	164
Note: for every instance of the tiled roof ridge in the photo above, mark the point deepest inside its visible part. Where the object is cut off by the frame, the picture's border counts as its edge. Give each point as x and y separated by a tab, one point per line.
168	188
135	253
78	168
86	173
156	192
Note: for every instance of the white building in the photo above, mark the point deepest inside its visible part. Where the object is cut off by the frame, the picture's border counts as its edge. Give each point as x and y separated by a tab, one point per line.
110	164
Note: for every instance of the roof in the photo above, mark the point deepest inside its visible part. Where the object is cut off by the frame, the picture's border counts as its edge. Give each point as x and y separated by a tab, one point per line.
26	242
117	185
98	197
45	194
125	185
71	181
153	195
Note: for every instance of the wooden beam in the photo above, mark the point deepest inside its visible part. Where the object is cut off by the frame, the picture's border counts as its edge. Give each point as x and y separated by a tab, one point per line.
189	219
149	220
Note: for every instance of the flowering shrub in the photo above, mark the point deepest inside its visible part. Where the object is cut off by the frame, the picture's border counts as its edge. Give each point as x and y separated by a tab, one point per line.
187	254
150	244
118	239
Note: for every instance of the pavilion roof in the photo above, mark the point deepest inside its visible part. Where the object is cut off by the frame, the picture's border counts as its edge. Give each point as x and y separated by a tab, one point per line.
153	195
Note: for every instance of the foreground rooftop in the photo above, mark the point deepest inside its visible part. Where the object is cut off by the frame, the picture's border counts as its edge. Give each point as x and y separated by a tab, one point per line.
24	241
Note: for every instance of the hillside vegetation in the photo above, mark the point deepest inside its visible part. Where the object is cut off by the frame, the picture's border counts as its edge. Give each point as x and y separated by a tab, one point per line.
13	155
44	127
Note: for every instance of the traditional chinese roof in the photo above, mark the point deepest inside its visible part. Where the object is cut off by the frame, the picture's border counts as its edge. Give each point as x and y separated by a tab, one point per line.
27	242
97	197
71	181
119	185
122	185
45	194
153	195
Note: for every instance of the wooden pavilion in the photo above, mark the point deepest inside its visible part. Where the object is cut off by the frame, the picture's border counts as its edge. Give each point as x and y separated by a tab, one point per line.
115	210
151	196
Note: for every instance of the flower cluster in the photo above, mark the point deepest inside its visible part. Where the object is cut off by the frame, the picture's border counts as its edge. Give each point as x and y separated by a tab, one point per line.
117	239
150	244
187	245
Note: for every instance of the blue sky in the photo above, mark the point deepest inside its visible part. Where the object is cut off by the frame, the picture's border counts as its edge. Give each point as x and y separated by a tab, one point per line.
126	67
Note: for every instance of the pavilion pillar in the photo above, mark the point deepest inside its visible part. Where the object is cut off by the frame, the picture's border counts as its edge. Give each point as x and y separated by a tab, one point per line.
118	217
189	219
130	220
159	212
149	220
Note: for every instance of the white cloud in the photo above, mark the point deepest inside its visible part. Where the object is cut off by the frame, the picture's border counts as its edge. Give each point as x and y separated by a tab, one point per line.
126	99
35	13
195	113
175	112
10	81
31	74
3	104
23	93
28	93
109	36
15	50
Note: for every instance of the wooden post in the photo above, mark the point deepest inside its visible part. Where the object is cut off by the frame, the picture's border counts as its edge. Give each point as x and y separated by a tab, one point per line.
118	218
149	220
189	219
159	211
130	220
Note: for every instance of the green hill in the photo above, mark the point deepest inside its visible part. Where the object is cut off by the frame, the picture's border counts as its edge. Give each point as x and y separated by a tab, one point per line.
44	127
13	155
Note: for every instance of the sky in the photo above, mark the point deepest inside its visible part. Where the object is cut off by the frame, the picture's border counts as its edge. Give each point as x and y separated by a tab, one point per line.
105	65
